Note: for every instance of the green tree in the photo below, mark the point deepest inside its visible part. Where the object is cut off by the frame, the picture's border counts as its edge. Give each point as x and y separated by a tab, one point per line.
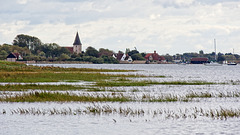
110	60
168	58
90	51
95	60
143	54
133	52
105	52
32	43
221	58
3	55
137	56
64	57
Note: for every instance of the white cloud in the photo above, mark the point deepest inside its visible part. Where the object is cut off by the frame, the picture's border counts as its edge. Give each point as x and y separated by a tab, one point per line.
167	26
22	1
199	47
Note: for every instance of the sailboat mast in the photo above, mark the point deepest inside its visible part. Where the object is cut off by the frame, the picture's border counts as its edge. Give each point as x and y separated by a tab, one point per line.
215	49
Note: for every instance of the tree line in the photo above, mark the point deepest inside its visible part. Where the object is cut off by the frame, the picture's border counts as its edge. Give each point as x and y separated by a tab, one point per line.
32	48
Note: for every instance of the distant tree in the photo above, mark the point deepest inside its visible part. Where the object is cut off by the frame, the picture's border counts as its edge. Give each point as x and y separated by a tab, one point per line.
87	58
105	52
90	51
127	51
32	43
133	52
221	58
95	60
143	54
168	58
53	50
201	52
3	55
236	56
109	59
41	54
63	57
137	56
74	55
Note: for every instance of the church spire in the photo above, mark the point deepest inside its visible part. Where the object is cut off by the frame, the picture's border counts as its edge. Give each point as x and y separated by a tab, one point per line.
77	40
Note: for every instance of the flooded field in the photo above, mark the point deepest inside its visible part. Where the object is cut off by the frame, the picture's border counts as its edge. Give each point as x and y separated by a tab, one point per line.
167	108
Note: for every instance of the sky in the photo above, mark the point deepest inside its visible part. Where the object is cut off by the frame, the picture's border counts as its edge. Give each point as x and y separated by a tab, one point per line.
165	26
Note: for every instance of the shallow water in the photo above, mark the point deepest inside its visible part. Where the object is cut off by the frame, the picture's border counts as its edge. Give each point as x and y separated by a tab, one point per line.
167	122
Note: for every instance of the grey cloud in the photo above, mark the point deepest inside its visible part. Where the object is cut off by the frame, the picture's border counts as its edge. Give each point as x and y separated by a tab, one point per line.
215	1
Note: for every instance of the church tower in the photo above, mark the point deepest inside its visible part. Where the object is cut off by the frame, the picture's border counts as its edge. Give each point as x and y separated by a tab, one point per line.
77	45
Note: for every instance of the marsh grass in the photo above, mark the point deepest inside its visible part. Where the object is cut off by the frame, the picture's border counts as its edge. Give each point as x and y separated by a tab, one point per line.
20	87
187	83
192	113
56	77
212	95
63	97
124	83
128	82
44	96
6	66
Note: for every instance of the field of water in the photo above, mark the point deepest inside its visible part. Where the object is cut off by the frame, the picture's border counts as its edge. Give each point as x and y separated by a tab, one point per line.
218	113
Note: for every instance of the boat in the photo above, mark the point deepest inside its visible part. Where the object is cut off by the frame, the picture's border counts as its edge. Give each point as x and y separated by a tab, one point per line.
213	63
182	63
232	63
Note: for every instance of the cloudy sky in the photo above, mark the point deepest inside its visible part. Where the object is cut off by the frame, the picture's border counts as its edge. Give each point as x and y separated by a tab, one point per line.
167	26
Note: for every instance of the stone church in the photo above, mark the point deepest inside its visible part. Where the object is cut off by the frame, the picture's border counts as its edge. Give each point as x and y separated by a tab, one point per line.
77	45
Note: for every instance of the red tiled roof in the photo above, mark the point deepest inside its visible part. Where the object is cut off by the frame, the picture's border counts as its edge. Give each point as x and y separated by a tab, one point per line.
119	56
155	56
161	58
199	59
70	49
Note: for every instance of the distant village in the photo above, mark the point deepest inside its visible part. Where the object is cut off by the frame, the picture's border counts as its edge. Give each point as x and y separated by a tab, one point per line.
29	49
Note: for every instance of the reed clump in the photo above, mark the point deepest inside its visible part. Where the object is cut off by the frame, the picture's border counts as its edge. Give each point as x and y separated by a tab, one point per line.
192	113
187	83
106	97
63	97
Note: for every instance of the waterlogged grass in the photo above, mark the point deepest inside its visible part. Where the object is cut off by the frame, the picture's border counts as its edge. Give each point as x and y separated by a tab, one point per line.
109	97
187	83
128	82
61	87
17	72
62	97
32	77
124	83
20	87
67	97
6	66
192	113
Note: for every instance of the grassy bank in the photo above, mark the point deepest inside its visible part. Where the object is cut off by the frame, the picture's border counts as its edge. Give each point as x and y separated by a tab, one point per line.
28	77
15	67
25	87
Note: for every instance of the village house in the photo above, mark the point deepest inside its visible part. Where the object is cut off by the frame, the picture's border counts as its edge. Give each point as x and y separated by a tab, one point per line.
123	58
199	60
154	57
13	57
